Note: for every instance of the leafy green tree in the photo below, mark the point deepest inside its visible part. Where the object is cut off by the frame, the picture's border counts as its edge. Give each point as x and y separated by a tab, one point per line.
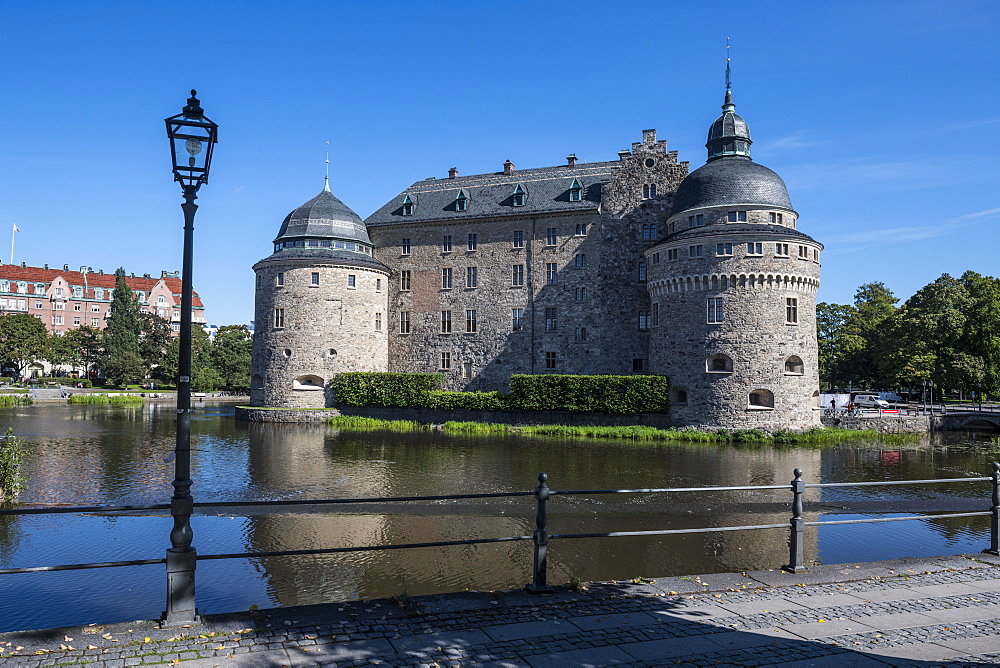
23	340
122	360
982	328
838	346
204	377
86	342
232	356
61	351
153	341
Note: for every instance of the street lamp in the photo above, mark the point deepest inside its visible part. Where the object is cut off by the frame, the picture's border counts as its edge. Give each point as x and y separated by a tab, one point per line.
192	138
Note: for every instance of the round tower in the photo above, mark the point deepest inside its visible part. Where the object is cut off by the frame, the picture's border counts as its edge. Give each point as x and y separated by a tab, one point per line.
321	306
733	289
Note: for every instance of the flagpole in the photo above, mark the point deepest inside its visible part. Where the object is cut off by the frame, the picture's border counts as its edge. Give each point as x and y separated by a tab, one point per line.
12	231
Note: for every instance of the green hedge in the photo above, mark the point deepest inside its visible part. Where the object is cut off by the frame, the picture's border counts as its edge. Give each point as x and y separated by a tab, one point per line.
585	394
362	388
469	401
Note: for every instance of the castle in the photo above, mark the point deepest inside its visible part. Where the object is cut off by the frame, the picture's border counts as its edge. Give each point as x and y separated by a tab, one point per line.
620	267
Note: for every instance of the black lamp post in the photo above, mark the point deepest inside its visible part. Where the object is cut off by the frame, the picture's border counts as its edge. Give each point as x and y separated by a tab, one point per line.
192	138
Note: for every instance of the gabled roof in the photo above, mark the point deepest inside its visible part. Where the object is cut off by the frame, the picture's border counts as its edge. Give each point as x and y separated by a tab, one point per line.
546	190
15	272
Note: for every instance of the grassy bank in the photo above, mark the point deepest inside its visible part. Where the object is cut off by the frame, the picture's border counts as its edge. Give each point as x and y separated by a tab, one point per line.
816	436
14	400
104	399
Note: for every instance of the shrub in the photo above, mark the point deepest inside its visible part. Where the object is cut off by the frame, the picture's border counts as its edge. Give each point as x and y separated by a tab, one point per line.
382	389
470	401
14	400
11	473
6	380
608	394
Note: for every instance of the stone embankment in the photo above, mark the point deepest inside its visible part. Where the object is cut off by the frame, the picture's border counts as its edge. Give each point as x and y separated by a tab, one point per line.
901	424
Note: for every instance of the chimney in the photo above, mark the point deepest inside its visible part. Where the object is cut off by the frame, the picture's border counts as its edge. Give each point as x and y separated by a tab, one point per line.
100	271
45	266
453	173
65	267
132	275
24	265
571	159
624	153
146	276
83	270
649	136
508	168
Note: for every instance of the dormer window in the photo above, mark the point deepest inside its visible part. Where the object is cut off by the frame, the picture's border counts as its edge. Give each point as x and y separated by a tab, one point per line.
518	195
461	201
407	206
575	191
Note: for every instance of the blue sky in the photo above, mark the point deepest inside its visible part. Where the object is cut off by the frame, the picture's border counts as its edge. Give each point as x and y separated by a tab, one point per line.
882	117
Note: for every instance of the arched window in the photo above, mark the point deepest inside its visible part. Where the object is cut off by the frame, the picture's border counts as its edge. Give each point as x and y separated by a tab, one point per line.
678	395
761	399
720	363
649	232
518	195
793	366
642	271
308	382
257	382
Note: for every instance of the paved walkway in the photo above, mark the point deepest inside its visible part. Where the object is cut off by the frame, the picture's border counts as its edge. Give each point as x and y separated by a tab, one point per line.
912	612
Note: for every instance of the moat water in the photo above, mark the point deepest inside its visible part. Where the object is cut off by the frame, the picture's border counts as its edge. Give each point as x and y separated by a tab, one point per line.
114	455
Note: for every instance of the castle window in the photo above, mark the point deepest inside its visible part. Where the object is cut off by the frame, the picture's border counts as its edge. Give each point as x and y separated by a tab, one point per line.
575	191
461	201
644	321
714	310
696	221
761	399
517	319
517	275
655	258
446	243
719	363
550	360
781	250
723	249
471	277
445	361
467	370
446	278
794	366
803	252
518	239
378	322
791	311
405	247
774	218
678	395
581	229
816	254
642	271
656	315
580	334
551	236
404	279
446	322
581	294
351	281
314	279
671	254
755	248
649	191
407	206
279	317
404	322
551	272
307	383
649	232
257	382
580	260
518	199
378	285
638	364
473	242
471	321
551	319
696	251
736	216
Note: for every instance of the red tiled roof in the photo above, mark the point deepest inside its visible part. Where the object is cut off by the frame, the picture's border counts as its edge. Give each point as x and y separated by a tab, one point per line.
15	272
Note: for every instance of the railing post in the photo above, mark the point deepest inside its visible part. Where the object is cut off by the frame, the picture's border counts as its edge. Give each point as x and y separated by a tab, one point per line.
796	556
994	548
538	584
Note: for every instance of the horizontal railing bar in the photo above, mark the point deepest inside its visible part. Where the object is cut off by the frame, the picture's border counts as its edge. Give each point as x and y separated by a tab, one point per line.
898	519
332	550
893	482
76	567
81	509
317	502
661	532
666	489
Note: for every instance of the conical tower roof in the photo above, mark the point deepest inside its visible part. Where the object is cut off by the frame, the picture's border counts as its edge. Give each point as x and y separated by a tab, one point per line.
323	217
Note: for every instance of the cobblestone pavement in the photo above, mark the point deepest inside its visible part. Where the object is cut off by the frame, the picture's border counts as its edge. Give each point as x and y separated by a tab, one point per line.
910	612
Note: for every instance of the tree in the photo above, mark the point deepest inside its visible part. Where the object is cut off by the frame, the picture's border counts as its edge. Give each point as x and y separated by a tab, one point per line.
23	340
86	344
122	361
232	356
838	347
874	308
61	351
153	341
204	377
982	329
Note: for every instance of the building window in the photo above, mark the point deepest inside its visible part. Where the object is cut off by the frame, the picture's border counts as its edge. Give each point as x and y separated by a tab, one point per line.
404	279
279	279
723	249
161	300
404	322
445	361
551	236
580	260
803	252
644	321
472	277
517	275
575	191
351	281
446	278
77	291
671	254
314	279
4	286
446	244
404	248
791	311
581	229
580	334
720	363
40	289
77	307
755	248
176	326
59	306
473	242
656	314
714	310
638	364
551	319
96	308
816	254
378	322
94	322
655	257
774	218
471	322
649	191
518	198
781	250
446	322
378	285
649	232
461	201
736	216
37	304
678	395
517	319
57	320
794	366
551	272
518	238
696	251
761	399
279	317
407	206
642	271
581	294
550	360
696	221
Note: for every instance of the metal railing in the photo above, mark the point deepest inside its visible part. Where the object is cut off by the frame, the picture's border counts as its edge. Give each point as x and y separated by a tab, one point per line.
541	536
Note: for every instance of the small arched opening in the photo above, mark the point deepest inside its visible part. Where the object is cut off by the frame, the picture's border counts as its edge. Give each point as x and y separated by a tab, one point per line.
761	398
719	363
308	383
794	366
257	382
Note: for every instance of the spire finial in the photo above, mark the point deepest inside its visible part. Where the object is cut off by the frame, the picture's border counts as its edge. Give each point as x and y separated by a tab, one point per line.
326	183
729	80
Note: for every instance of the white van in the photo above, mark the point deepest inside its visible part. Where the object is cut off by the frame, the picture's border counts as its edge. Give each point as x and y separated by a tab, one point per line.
869	400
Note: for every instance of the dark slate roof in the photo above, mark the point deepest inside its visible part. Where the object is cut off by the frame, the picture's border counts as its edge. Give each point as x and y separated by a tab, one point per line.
326	217
729	124
735	228
492	195
731	180
329	255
